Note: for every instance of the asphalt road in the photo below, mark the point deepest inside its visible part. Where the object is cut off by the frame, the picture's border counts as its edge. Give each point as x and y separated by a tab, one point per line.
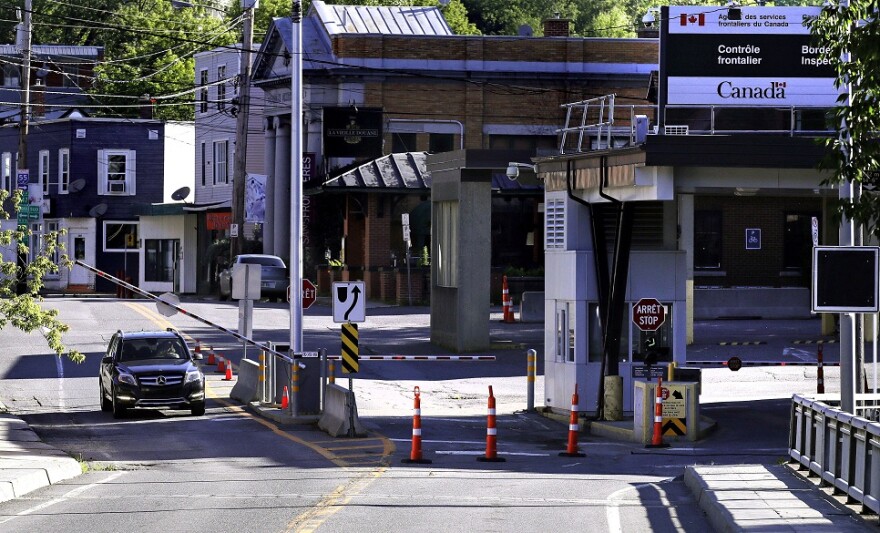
233	471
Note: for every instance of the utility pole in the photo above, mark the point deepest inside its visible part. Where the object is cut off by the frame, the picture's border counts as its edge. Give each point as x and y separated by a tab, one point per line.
23	39
239	171
296	168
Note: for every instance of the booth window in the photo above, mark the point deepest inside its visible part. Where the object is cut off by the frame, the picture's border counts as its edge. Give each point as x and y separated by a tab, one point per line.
595	335
441	142
797	251
403	142
707	240
446	243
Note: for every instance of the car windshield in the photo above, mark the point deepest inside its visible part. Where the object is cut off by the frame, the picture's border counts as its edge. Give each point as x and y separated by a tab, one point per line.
263	260
152	348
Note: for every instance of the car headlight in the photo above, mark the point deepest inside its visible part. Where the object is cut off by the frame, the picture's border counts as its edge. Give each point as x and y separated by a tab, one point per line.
193	375
127	378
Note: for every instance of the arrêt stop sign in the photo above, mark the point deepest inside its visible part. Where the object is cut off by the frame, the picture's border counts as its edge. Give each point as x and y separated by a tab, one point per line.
648	314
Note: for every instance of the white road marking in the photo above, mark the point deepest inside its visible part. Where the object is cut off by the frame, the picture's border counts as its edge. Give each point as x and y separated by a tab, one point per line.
72	494
612	505
476	452
425	441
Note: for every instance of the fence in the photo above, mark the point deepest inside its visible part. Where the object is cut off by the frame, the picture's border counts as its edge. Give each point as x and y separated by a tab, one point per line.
843	449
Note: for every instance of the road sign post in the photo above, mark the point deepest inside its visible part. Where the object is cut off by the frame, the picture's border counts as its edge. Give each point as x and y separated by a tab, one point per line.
648	314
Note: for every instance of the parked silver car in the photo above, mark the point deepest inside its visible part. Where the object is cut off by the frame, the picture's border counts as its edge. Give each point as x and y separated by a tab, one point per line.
274	277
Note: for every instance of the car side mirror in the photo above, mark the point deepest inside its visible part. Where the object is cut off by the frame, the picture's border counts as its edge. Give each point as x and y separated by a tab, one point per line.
107	359
198	356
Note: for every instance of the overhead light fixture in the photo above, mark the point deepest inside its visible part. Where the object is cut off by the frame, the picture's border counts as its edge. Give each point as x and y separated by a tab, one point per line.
745	191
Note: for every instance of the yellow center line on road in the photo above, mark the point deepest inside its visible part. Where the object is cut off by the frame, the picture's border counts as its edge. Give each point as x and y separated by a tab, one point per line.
310	520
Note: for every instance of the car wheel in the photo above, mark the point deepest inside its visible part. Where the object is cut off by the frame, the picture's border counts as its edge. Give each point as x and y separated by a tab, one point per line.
119	411
197	409
106	405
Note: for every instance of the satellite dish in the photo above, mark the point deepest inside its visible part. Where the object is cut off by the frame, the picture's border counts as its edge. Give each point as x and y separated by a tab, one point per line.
165	299
180	194
77	185
98	210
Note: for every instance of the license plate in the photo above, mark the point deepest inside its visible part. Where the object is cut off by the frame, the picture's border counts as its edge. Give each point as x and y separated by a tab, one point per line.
268	285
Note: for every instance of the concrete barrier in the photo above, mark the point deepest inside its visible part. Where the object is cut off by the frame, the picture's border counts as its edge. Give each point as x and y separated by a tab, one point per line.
340	418
531	308
246	389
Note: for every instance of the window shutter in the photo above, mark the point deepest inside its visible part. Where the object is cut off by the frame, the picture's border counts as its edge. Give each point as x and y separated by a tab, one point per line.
131	174
555	224
102	172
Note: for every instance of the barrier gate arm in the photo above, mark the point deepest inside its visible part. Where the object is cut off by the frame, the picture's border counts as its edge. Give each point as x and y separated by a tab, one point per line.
151	296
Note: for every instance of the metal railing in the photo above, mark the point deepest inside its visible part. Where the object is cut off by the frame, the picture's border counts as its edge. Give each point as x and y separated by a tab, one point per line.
843	449
600	123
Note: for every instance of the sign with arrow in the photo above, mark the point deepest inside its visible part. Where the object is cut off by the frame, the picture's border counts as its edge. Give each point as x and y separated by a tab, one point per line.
349	302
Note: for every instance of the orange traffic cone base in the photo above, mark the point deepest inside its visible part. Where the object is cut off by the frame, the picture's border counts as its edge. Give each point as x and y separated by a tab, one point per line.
661	445
416	461
491	459
572	454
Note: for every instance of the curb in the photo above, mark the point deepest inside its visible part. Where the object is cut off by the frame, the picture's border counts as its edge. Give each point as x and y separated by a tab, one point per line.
26	462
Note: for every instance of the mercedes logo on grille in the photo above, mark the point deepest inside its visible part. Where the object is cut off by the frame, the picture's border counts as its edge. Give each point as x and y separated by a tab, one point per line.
160	380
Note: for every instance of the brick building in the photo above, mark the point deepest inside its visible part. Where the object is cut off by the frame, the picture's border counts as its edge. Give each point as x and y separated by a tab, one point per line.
419	88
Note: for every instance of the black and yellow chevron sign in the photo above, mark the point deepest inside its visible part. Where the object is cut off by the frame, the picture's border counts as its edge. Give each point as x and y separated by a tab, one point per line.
674	426
350	348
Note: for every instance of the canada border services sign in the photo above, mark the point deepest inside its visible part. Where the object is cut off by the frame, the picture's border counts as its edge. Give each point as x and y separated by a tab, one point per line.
766	57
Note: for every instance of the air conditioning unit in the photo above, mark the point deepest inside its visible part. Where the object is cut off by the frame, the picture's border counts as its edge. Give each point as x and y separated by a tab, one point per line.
116	186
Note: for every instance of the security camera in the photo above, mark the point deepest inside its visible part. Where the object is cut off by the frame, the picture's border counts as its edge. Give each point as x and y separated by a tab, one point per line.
512	172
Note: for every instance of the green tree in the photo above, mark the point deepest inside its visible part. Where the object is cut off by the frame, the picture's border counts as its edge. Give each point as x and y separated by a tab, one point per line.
152	53
21	309
850	37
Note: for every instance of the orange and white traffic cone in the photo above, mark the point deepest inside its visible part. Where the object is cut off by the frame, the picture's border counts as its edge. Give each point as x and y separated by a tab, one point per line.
573	428
505	301
198	348
211	357
491	434
285	398
228	376
221	366
657	439
415	454
820	373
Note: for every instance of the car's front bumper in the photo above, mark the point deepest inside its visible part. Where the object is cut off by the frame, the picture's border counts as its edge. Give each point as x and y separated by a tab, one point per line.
180	396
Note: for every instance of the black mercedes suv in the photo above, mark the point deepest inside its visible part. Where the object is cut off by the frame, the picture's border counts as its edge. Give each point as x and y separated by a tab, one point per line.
150	369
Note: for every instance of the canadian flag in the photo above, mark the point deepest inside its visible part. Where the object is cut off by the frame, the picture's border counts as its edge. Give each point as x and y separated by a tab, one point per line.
699	20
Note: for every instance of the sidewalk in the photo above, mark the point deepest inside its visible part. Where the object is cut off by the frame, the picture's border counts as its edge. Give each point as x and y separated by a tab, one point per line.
26	463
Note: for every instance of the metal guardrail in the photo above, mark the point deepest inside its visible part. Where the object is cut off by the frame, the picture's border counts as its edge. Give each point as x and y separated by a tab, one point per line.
843	449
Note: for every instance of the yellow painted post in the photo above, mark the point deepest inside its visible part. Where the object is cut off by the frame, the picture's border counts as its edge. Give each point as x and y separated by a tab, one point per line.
531	366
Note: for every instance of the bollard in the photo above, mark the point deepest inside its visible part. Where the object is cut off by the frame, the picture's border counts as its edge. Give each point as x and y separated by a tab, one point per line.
415	454
261	380
670	371
820	373
573	428
294	379
657	439
491	434
531	366
331	372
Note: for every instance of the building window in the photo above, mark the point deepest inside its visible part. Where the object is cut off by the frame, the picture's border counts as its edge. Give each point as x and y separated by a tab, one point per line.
203	92
403	142
8	183
63	171
10	76
707	240
159	259
221	169
440	142
120	236
529	143
221	87
797	248
116	172
204	164
45	239
70	76
445	246
43	172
